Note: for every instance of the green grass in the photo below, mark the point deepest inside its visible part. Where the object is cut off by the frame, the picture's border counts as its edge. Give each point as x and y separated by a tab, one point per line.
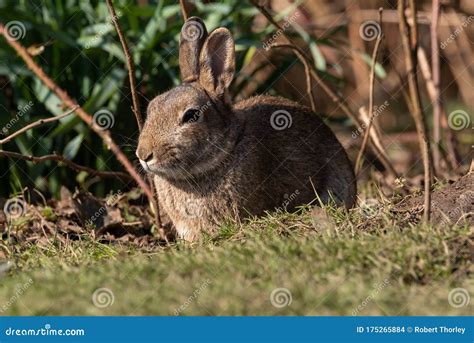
335	265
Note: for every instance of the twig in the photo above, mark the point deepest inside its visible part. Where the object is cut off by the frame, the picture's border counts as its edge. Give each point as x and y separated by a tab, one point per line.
436	83
130	65
36	123
334	97
69	163
452	156
69	102
375	136
184	11
371	98
402	89
410	44
307	68
136	106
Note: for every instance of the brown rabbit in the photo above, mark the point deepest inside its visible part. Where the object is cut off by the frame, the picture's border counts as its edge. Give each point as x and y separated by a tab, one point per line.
213	159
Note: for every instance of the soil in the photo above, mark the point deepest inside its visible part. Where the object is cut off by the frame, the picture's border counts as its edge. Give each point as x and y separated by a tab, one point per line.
454	204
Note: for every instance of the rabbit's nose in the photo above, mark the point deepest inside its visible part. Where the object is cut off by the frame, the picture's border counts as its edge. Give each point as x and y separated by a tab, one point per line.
144	155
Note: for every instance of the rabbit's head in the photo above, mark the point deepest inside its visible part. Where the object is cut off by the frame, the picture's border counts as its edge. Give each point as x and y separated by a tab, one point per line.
191	128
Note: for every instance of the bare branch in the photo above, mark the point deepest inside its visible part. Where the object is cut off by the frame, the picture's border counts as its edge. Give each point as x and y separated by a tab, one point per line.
69	102
36	123
136	105
410	45
130	65
371	99
436	83
433	93
184	11
307	72
334	97
69	163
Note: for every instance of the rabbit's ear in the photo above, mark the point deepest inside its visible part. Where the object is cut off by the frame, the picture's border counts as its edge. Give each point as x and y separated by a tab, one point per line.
217	62
192	37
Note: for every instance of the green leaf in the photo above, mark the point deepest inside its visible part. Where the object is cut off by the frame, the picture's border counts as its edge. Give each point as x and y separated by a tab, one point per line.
379	69
319	60
47	98
72	148
152	28
105	89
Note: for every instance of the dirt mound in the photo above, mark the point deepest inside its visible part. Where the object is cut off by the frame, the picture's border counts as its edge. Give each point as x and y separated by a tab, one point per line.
451	205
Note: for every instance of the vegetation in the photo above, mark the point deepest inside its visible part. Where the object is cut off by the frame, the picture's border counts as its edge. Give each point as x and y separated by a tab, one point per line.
373	260
335	264
80	36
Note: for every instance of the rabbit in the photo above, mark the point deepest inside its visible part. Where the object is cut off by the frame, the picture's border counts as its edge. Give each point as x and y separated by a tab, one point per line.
212	159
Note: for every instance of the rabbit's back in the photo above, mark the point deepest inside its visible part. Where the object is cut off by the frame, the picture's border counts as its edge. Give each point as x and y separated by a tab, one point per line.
294	155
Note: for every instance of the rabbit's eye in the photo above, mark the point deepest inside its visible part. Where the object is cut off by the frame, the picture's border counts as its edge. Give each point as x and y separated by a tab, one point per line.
190	116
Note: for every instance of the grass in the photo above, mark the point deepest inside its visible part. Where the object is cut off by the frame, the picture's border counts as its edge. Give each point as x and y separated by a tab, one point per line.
329	264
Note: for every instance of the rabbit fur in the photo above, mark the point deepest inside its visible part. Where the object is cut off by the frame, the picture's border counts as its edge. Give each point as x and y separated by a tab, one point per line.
212	159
